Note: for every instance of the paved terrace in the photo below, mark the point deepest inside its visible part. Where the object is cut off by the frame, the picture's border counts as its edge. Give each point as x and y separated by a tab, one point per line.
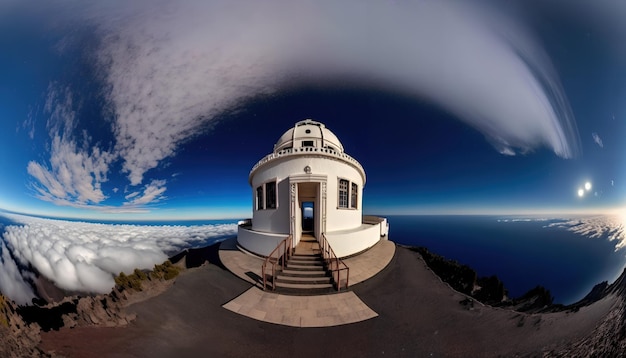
336	309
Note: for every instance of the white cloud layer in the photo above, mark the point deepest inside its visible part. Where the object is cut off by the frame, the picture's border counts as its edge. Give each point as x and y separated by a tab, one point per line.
603	226
12	284
84	257
172	67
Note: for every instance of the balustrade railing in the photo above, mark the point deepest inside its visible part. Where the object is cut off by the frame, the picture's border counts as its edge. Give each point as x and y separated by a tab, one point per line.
334	264
280	255
308	150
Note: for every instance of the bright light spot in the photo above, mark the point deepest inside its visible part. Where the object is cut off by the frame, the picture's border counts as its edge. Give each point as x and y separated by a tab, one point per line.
587	186
581	193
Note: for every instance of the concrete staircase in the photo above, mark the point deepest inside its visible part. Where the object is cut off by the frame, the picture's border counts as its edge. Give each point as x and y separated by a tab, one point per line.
304	273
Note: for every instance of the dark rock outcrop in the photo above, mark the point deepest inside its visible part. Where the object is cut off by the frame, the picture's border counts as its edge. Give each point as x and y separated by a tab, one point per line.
21	326
608	339
460	277
17	338
488	290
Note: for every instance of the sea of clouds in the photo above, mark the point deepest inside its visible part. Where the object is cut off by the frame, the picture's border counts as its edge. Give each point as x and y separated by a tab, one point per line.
80	256
610	227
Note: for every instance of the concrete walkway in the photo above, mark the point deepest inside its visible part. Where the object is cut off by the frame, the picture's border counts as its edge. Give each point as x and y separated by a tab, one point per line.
303	311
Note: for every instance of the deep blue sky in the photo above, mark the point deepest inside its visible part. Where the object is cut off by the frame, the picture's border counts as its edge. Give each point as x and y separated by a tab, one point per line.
156	120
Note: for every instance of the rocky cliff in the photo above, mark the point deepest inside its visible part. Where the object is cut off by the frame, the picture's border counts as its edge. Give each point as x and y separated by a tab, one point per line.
608	339
20	326
17	338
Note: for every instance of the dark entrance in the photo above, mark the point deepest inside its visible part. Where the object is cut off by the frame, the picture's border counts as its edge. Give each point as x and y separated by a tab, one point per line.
307	216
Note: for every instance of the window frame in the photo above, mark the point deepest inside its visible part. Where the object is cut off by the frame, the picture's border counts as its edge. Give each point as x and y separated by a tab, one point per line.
267	199
354	195
340	191
259	197
271	199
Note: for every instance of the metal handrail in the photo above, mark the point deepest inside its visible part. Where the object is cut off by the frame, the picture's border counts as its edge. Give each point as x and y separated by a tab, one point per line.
276	256
333	263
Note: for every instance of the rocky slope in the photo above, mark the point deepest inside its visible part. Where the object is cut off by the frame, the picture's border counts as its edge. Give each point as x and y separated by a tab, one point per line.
17	339
20	326
608	339
488	290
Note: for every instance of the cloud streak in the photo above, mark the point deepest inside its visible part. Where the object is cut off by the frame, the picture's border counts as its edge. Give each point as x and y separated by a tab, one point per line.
169	69
84	257
610	227
168	72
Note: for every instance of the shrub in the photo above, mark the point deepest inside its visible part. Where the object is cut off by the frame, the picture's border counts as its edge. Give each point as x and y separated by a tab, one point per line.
461	277
166	271
492	290
131	281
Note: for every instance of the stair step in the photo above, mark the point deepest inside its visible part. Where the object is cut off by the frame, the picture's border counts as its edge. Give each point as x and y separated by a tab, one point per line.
309	253
308	292
305	263
306	258
303	286
303	280
308	264
304	273
319	273
310	270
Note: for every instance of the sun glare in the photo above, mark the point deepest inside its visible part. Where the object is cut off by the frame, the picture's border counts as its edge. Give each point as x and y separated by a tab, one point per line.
581	193
587	186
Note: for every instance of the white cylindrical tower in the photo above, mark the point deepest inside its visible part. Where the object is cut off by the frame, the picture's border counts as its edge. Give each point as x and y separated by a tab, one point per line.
308	184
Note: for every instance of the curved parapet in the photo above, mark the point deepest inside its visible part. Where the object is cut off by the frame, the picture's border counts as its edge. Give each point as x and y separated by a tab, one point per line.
257	242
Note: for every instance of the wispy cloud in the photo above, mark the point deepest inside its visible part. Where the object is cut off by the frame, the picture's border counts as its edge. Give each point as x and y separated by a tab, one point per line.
170	71
75	172
152	193
610	227
171	68
84	256
597	139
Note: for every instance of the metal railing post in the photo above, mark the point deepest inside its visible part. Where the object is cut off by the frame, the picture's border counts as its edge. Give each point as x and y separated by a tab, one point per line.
279	258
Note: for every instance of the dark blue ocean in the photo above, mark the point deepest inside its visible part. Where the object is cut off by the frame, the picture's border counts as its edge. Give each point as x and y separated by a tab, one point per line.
522	254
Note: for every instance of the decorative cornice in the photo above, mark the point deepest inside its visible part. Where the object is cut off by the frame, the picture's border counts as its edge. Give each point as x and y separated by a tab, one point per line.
308	152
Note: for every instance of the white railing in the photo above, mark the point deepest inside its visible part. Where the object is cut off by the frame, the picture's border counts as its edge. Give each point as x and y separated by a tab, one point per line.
308	150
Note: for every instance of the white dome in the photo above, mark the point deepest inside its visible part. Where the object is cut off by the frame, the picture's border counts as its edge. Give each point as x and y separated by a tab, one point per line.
308	133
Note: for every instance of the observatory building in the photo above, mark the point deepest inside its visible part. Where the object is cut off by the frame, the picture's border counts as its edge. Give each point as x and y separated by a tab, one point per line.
309	186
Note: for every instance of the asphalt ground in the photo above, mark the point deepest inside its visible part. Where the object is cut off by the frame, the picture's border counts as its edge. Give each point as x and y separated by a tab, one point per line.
419	316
